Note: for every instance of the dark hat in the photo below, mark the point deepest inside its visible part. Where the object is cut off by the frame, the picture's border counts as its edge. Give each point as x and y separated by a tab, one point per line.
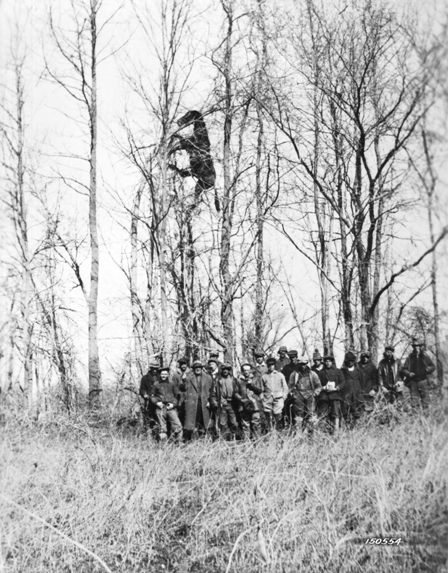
329	357
350	356
271	360
316	355
416	341
182	360
365	353
389	347
293	353
226	366
164	369
283	349
197	364
214	354
303	360
258	353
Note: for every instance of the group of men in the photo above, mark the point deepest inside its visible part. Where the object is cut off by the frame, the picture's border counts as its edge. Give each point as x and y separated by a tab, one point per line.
273	392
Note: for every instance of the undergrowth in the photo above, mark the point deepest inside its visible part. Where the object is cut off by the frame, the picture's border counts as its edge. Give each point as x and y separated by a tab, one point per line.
204	507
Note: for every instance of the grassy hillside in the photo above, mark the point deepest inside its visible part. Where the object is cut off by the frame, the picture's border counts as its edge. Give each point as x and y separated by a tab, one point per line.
143	508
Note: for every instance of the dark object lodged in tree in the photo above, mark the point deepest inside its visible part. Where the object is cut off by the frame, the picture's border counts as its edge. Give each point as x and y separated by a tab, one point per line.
198	148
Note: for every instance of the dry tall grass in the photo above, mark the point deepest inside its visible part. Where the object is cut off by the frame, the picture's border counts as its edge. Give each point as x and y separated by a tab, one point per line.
283	504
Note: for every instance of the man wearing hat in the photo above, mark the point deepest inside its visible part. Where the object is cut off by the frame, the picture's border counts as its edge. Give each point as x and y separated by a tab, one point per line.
213	369
275	391
329	401
146	384
224	391
417	367
214	356
369	383
390	373
318	364
249	397
352	396
304	387
282	359
291	366
260	367
198	388
180	376
164	396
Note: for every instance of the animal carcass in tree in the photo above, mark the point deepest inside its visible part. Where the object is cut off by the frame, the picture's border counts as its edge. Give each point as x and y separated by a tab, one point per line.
198	148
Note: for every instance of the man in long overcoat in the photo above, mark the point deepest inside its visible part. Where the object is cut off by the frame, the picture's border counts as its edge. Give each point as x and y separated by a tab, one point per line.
330	398
199	401
352	396
390	377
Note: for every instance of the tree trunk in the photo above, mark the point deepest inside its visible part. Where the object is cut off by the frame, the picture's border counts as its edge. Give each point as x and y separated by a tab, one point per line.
95	385
227	211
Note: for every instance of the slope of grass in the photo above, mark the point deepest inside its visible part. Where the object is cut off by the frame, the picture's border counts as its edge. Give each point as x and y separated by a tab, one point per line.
310	502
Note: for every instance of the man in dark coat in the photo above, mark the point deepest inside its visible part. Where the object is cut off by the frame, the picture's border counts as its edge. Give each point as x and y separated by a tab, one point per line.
292	365
224	391
165	397
198	388
146	384
417	367
390	377
304	386
282	359
369	383
352	397
249	397
330	399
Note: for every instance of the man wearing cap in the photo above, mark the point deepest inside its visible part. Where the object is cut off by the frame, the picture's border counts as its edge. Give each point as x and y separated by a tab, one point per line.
164	396
318	364
146	384
249	397
352	397
275	391
304	387
330	399
417	367
198	388
282	359
369	383
260	367
224	391
390	377
292	366
215	357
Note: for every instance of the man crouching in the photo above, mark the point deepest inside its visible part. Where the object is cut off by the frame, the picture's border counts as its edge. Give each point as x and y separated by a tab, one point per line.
164	396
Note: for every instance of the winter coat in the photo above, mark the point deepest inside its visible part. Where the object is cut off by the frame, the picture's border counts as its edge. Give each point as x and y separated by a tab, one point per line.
249	391
331	375
304	383
147	382
389	373
179	377
224	390
420	364
369	377
353	383
194	388
166	392
289	369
